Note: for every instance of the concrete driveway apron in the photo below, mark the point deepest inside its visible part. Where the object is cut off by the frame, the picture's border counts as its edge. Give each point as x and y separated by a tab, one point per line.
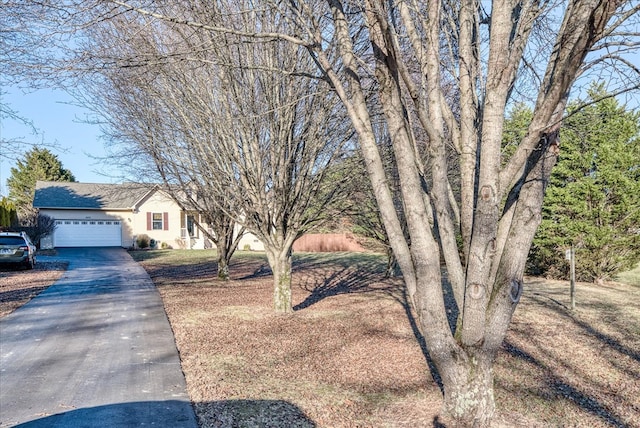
93	350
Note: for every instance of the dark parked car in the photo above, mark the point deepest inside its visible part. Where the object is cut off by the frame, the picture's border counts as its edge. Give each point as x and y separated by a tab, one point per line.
17	249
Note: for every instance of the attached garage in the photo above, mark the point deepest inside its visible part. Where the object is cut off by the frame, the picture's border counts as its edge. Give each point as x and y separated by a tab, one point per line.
87	233
108	215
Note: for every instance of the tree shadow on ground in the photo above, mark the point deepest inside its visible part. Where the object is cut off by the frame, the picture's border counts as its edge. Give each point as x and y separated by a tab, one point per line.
558	389
595	368
190	274
174	413
259	272
607	340
20	294
178	414
254	413
324	283
368	277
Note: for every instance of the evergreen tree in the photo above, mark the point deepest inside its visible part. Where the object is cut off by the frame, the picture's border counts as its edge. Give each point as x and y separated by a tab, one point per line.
8	213
38	164
593	200
515	128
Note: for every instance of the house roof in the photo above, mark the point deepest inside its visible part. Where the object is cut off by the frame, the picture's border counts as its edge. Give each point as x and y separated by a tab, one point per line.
94	196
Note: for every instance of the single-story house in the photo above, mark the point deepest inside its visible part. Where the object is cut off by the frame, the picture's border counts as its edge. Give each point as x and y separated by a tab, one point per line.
114	215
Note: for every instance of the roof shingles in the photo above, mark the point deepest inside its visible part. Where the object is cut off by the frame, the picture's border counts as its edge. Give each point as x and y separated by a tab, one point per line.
69	195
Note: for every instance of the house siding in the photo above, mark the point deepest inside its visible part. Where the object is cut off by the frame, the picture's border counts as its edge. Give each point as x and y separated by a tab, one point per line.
133	222
158	202
139	220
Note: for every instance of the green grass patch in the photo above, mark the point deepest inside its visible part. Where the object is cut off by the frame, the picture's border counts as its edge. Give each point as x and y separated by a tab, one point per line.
187	257
174	257
375	262
631	277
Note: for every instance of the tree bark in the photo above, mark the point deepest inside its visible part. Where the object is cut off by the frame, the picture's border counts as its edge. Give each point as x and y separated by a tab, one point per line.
468	390
280	260
500	203
223	268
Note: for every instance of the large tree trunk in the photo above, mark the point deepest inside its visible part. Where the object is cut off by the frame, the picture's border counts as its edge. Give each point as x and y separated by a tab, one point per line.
467	371
280	260
468	389
468	377
223	267
500	204
226	240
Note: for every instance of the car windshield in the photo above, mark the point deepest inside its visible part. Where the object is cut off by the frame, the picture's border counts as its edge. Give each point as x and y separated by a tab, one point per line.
11	240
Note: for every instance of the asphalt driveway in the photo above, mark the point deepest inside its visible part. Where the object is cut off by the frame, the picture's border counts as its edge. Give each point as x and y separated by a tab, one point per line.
93	350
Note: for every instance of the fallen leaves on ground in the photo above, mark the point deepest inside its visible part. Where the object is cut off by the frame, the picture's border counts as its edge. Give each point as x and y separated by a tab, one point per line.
348	356
18	286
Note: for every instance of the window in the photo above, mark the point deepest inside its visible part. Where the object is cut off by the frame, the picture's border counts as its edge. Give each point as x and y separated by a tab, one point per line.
11	241
191	226
157	221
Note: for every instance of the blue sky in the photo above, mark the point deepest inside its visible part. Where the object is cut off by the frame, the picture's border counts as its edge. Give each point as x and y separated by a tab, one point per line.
59	123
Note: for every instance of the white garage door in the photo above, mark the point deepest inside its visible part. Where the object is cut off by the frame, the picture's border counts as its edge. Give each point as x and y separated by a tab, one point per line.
87	233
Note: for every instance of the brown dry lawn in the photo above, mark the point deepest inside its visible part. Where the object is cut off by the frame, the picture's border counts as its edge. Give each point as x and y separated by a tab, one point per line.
349	356
18	286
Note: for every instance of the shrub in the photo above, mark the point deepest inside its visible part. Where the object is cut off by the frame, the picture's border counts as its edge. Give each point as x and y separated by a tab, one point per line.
35	225
143	241
8	213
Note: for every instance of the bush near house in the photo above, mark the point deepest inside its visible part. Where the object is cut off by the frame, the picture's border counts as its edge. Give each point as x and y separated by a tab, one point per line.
8	213
35	225
143	241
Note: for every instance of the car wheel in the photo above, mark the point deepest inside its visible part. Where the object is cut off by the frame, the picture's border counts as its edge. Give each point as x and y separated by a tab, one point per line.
30	263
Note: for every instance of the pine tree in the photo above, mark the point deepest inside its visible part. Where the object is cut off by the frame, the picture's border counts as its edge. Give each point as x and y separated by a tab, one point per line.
8	213
37	164
593	200
515	127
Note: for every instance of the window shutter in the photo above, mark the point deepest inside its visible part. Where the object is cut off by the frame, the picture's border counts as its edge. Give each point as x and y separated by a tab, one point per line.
166	221
149	224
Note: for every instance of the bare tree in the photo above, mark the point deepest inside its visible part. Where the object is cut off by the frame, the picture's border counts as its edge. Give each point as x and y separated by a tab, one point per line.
484	51
158	134
24	36
277	133
407	52
363	211
416	48
240	124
